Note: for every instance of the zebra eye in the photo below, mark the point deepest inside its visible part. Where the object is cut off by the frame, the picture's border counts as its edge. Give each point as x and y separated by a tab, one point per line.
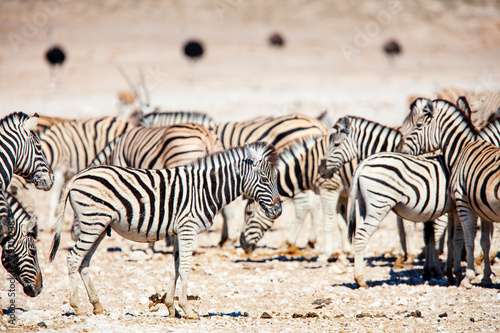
264	179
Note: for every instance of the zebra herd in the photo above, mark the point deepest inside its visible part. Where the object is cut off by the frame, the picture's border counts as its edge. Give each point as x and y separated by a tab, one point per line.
169	173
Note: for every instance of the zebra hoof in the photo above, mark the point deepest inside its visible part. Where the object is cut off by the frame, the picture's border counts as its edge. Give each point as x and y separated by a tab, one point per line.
361	283
310	245
98	309
486	282
466	284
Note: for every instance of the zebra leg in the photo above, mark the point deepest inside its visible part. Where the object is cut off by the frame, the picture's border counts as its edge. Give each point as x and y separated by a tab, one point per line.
314	209
431	264
467	219
55	194
411	253
486	230
301	204
84	273
329	201
402	241
229	228
185	238
174	275
494	242
451	250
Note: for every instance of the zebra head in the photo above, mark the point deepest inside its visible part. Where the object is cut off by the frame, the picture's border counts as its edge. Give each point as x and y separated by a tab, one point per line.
19	255
30	160
420	132
341	148
259	177
256	224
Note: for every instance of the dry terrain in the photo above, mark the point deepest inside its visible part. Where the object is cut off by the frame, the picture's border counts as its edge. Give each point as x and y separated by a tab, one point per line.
332	61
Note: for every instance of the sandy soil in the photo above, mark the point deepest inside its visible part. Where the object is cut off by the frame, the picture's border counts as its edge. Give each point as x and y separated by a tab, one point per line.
332	61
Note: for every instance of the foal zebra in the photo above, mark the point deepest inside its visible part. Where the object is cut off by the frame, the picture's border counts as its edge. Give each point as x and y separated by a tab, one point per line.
19	253
473	167
148	205
21	154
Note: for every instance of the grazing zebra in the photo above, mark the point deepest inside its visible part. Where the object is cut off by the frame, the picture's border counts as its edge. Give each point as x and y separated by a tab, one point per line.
279	131
298	172
148	205
473	167
21	154
71	146
359	138
159	118
19	253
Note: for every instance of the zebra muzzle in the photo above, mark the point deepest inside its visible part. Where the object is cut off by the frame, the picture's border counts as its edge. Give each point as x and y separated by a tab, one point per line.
44	182
276	209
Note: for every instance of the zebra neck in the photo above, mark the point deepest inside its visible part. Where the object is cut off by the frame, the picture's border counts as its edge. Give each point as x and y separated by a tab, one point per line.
454	133
375	138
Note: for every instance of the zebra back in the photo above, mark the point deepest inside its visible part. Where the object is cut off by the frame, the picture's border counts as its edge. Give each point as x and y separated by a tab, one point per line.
483	104
281	132
160	147
19	252
162	118
74	145
45	122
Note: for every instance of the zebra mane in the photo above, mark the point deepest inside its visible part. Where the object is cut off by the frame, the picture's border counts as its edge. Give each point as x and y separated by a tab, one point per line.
266	150
356	119
443	106
13	117
299	147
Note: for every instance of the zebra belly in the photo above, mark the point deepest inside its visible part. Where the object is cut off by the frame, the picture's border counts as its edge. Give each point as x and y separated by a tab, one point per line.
141	236
417	215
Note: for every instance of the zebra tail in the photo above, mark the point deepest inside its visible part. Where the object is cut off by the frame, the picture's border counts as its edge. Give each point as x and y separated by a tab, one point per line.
351	207
61	208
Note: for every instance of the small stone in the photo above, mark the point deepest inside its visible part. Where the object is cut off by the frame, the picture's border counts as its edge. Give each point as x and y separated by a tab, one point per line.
266	315
472	320
297	315
41	324
442	315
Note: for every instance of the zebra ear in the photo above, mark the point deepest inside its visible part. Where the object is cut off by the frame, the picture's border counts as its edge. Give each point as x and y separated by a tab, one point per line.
464	105
345	123
251	155
32	228
476	106
31	123
428	109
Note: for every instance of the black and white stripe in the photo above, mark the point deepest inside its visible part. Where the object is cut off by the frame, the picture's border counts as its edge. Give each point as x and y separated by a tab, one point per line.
473	166
19	252
148	205
21	154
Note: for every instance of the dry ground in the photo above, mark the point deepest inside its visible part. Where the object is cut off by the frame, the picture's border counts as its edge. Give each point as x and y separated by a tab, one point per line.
446	43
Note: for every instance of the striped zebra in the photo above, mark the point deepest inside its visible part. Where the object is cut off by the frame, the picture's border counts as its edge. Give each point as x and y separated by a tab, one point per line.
359	138
158	148
71	146
281	132
473	167
483	104
21	154
148	205
19	253
162	118
298	172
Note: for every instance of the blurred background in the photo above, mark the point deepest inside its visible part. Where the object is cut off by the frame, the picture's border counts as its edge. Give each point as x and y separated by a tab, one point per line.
329	55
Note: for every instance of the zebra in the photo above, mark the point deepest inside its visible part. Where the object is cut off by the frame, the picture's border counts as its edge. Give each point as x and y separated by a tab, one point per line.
158	148
281	132
71	146
359	138
21	154
19	252
148	205
298	172
473	167
162	118
483	104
